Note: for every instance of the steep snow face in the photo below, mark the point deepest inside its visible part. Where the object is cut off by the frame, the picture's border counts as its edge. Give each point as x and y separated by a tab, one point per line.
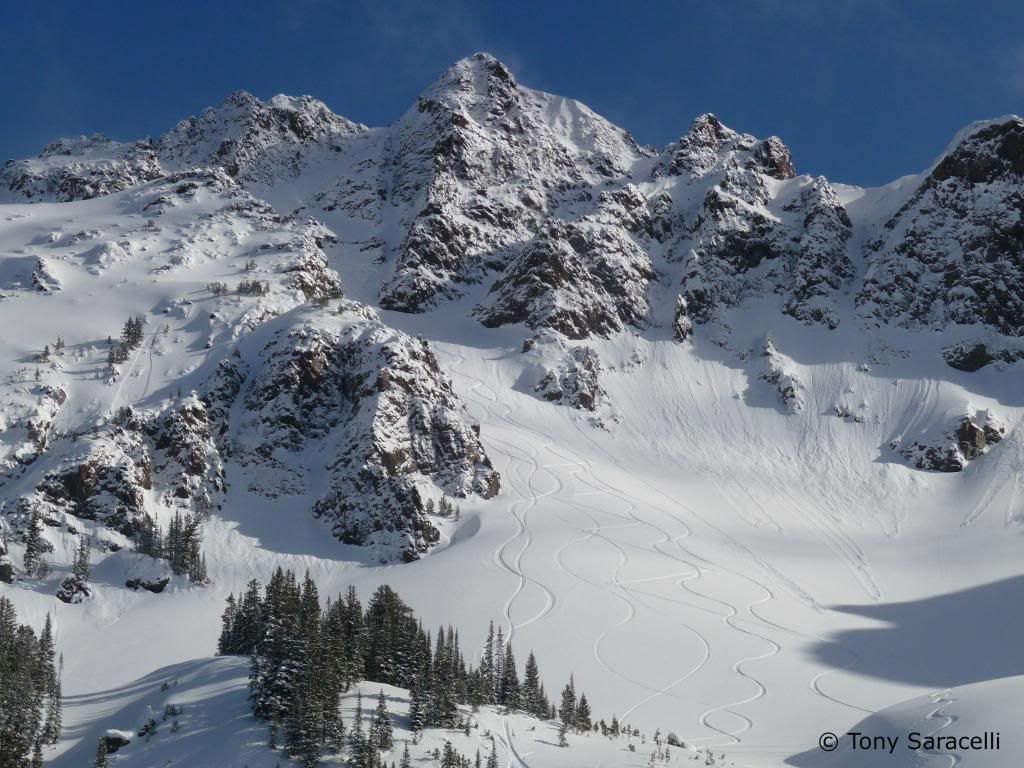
352	405
954	253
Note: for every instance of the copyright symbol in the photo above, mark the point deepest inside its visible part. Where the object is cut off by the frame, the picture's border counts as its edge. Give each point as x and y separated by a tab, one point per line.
828	741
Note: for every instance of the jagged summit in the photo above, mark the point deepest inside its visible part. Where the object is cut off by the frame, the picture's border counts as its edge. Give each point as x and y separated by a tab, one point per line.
710	144
531	202
478	74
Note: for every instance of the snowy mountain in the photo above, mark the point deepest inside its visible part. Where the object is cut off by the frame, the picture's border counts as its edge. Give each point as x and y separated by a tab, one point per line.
682	418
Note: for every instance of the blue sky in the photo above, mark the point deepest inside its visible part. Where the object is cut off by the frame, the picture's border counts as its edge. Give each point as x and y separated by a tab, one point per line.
862	91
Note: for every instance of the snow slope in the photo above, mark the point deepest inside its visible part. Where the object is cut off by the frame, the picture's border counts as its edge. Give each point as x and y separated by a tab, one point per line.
730	544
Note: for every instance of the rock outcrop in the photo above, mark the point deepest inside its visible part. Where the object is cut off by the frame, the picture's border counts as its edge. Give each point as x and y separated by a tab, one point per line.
953	253
970	438
380	413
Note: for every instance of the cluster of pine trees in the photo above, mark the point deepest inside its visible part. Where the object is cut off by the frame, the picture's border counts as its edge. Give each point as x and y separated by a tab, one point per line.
36	548
132	337
253	288
305	656
30	693
181	545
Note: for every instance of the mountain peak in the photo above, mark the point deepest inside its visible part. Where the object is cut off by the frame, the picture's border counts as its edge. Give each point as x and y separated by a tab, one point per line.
984	151
480	75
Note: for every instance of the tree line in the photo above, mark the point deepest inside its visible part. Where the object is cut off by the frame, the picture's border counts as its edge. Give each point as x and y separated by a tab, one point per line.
304	656
180	546
30	690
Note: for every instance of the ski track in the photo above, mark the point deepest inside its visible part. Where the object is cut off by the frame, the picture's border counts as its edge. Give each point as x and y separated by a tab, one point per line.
662	544
942	699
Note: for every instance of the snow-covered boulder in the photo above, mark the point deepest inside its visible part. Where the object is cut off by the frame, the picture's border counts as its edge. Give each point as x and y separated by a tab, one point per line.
73	590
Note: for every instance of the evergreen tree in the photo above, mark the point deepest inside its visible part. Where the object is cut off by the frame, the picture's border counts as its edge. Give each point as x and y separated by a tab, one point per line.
29	691
406	761
358	746
101	761
81	566
567	712
487	668
149	538
226	641
417	708
492	758
511	695
582	714
34	546
381	733
533	694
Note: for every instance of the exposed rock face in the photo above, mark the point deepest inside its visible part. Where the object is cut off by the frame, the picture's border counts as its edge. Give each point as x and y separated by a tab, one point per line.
822	269
752	237
581	279
575	383
99	477
954	253
969	439
709	145
776	370
974	357
73	590
115	740
256	141
156	586
80	169
484	160
104	476
376	406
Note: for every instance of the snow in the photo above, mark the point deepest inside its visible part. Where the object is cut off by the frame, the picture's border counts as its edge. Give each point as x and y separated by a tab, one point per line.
216	729
707	559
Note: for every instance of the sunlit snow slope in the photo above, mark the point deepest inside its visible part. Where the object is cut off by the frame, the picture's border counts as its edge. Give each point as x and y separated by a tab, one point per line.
734	542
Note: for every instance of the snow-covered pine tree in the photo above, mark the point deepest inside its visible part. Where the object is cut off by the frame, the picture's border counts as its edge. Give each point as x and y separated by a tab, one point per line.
533	701
29	690
418	706
149	539
34	546
487	667
510	688
225	643
80	566
101	760
567	711
582	715
381	731
358	744
499	658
